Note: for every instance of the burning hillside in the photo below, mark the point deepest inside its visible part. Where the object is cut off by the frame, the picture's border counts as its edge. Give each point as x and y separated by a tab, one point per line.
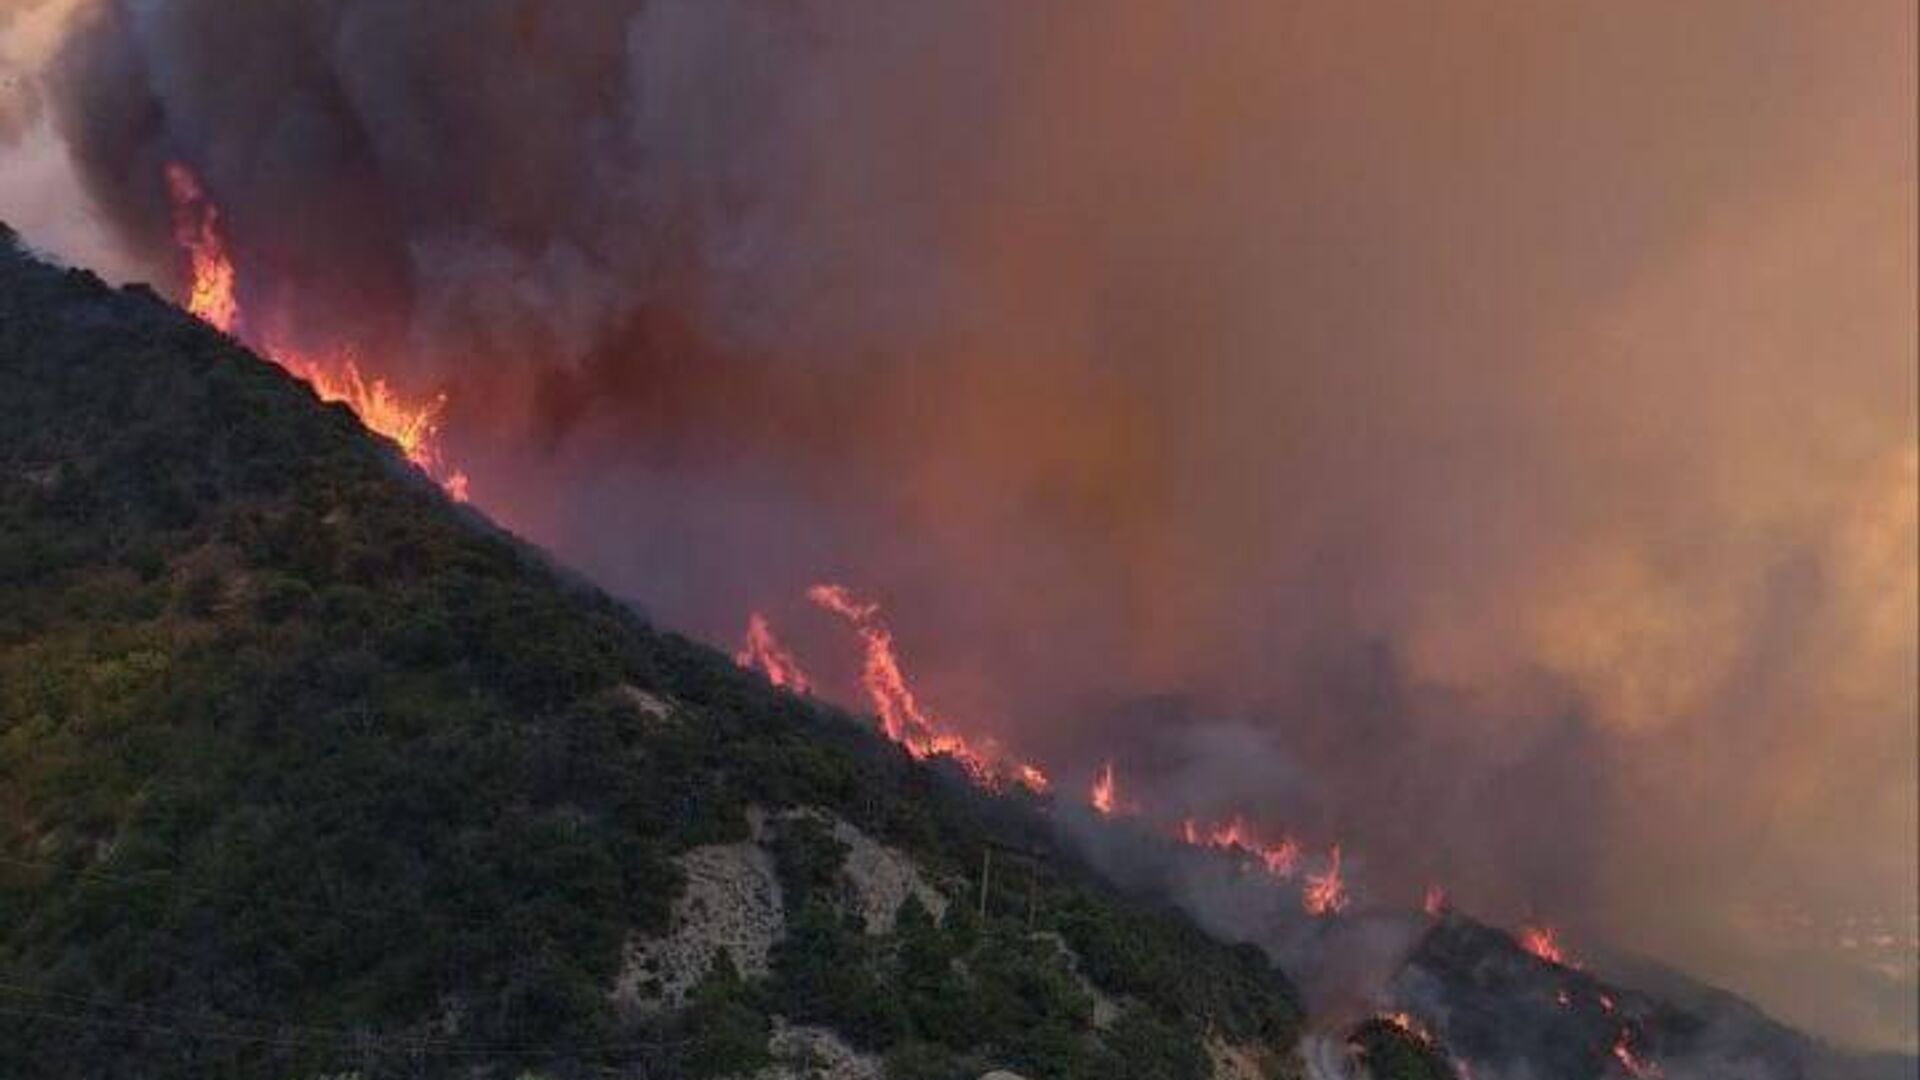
211	295
1342	444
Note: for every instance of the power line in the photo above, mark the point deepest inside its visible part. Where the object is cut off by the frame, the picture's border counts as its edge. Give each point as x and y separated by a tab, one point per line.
302	1036
172	879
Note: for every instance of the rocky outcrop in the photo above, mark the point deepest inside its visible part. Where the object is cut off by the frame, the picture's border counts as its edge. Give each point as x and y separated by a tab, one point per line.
1105	1009
880	878
801	1052
731	905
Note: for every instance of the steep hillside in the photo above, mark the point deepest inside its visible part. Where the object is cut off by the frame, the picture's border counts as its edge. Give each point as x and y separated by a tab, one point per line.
305	770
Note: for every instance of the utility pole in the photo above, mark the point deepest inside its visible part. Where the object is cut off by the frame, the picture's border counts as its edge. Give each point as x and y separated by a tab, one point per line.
1033	889
986	867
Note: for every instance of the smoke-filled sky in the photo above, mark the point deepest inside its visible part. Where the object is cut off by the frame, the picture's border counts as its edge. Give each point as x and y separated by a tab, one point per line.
1483	433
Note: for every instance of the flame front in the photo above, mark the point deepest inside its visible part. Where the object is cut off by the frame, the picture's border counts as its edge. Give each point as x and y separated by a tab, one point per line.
902	717
904	720
763	652
1280	858
414	425
1544	942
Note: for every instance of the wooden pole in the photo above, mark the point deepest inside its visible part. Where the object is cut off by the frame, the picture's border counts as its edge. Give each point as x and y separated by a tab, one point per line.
1033	891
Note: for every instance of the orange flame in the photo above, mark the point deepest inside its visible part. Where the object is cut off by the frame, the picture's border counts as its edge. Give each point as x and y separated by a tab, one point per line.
415	426
1544	942
1325	893
764	653
1636	1066
1103	789
901	716
1410	1027
195	229
1280	858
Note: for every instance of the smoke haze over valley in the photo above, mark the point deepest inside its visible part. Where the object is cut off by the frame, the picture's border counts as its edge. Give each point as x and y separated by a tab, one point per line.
1485	438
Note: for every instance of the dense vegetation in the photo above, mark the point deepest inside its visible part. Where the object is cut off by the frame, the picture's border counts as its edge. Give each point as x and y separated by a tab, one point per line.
304	769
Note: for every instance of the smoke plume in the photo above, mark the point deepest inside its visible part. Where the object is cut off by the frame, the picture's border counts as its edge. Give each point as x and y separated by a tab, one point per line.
1481	434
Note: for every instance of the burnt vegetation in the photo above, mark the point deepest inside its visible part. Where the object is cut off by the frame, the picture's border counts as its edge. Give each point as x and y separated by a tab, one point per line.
306	770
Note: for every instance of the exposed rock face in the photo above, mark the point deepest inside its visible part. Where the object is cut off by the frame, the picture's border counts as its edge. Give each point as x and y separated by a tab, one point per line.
731	904
801	1052
1105	1009
1234	1062
647	704
881	878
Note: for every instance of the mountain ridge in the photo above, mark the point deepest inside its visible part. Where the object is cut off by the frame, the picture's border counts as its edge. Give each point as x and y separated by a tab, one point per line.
306	769
303	769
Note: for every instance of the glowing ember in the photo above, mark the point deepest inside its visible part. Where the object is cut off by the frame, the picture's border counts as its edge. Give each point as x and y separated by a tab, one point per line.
415	426
902	717
1102	794
1544	942
1410	1027
1435	901
1633	1063
763	652
1030	776
1325	893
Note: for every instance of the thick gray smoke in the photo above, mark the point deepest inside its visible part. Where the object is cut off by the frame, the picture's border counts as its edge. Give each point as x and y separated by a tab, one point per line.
1482	433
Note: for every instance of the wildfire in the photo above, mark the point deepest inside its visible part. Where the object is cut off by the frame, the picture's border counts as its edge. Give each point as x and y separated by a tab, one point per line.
1544	942
196	229
1410	1027
904	720
763	652
1280	858
1636	1066
901	715
414	425
1103	788
1325	893
1434	902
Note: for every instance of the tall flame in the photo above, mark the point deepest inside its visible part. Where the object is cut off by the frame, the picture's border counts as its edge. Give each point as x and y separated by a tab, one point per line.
901	715
196	229
414	425
1325	893
763	652
1101	797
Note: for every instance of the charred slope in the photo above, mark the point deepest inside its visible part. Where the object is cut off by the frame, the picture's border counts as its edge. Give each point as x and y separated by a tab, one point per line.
1491	1002
306	770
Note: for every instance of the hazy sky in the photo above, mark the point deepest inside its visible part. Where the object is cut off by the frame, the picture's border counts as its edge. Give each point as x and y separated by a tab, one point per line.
1501	416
